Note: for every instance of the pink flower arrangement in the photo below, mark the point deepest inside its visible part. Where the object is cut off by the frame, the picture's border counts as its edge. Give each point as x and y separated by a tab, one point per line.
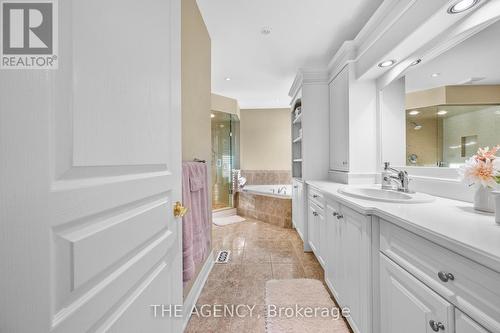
482	169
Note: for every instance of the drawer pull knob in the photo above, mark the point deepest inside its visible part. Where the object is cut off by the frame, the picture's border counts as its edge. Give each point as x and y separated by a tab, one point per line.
296	186
335	214
436	326
315	196
315	214
340	216
445	277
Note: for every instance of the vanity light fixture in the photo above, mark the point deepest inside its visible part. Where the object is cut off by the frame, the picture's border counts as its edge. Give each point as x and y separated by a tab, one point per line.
212	116
414	112
435	74
416	62
442	112
461	6
387	63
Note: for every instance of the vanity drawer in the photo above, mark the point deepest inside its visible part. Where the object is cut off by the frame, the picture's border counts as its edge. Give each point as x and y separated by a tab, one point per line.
317	197
472	288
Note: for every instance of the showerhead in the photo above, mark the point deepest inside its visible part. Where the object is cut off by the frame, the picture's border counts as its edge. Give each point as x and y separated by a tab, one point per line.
417	126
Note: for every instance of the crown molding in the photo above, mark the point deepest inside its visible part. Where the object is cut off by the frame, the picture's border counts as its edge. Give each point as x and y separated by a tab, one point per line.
346	54
308	77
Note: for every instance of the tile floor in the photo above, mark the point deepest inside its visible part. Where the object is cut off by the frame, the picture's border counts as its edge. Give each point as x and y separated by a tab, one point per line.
259	252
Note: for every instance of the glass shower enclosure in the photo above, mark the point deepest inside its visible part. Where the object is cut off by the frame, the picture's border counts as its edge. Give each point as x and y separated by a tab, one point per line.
225	158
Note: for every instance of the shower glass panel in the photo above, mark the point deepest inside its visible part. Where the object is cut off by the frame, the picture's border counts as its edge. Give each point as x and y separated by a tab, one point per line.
225	152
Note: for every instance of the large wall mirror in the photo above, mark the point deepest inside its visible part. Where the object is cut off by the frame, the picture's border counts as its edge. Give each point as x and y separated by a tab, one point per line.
451	105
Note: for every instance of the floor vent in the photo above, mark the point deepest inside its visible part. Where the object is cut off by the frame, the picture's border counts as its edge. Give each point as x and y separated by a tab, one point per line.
223	257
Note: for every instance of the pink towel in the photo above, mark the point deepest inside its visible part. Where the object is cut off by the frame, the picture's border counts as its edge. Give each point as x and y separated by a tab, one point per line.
197	223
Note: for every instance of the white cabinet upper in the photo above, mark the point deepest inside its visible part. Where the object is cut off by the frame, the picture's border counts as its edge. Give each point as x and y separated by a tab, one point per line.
339	121
407	305
352	115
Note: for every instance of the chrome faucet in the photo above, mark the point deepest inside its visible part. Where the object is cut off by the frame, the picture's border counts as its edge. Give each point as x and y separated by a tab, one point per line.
400	177
282	189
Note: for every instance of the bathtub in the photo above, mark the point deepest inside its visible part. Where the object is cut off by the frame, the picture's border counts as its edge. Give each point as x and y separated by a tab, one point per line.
270	190
264	203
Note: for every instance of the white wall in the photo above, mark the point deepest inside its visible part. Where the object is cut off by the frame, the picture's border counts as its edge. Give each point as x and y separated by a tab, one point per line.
266	141
196	84
392	117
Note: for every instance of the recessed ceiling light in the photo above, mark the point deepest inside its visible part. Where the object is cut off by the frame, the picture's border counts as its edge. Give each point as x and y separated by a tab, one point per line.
227	79
462	6
442	113
387	63
416	62
435	74
265	31
212	116
414	113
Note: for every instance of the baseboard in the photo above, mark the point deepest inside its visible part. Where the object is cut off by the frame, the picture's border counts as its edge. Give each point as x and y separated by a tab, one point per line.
196	289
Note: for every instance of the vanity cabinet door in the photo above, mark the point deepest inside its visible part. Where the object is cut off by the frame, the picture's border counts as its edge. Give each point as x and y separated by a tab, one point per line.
333	257
464	324
339	121
322	239
312	225
407	305
356	265
298	208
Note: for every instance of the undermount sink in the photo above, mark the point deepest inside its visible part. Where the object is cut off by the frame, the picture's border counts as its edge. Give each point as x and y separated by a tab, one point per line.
378	194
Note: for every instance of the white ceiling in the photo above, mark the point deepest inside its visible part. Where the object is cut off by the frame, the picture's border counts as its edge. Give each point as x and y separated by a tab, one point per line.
305	33
476	57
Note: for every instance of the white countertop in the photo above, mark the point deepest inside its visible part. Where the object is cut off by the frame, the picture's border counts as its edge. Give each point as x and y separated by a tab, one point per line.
452	224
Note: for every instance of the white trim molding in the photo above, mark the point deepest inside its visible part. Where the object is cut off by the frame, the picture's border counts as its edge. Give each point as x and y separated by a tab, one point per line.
196	289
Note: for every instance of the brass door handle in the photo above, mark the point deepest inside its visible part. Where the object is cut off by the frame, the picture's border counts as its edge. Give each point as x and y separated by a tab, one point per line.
179	210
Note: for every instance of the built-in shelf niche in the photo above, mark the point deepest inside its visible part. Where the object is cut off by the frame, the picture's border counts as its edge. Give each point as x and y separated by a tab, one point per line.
296	120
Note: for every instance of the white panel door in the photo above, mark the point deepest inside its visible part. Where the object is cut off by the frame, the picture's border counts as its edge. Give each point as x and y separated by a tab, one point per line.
90	169
407	305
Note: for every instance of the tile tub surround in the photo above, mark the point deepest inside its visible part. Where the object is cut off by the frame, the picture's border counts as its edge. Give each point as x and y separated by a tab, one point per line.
265	177
259	252
275	211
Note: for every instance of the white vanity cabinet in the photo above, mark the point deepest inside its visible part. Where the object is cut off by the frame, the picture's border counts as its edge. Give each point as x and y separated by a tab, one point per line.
316	224
298	204
422	281
408	305
346	252
464	324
